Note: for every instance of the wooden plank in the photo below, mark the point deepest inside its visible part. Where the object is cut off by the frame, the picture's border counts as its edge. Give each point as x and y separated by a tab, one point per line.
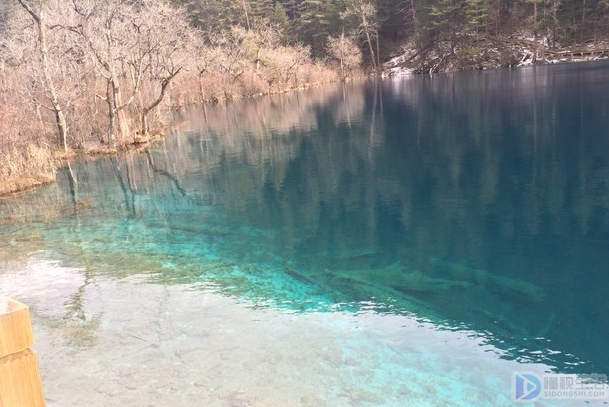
15	327
20	383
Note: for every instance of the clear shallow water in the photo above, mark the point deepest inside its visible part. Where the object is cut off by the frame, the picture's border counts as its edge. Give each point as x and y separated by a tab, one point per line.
468	208
129	342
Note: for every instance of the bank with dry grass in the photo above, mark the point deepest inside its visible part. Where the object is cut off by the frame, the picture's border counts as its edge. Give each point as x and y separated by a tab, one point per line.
24	169
82	77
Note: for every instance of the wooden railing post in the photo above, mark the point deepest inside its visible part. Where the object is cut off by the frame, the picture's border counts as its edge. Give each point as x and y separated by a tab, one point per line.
20	382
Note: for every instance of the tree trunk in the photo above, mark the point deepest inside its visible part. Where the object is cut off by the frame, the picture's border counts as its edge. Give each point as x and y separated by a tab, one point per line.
155	103
62	127
144	123
368	39
201	87
121	116
342	56
60	119
583	22
258	61
536	34
110	100
415	21
378	54
247	18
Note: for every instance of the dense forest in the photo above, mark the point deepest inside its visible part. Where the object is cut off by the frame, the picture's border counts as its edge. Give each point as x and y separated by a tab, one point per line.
459	33
95	76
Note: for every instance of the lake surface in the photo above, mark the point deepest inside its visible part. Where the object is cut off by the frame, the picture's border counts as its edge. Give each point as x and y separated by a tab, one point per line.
411	240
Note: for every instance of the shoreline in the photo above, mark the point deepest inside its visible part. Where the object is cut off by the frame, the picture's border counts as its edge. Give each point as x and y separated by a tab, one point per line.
517	53
19	185
16	186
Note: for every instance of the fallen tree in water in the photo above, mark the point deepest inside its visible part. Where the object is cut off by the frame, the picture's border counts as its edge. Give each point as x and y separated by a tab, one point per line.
487	53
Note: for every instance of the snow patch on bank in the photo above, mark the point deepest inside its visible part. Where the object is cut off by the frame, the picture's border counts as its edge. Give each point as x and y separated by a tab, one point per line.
518	50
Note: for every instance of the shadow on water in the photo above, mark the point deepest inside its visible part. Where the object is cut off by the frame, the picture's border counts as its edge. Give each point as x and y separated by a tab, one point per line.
473	199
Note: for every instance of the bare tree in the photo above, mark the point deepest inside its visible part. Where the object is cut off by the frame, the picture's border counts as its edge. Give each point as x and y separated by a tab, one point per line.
368	27
247	17
167	41
38	15
261	35
205	60
110	38
281	64
347	52
230	59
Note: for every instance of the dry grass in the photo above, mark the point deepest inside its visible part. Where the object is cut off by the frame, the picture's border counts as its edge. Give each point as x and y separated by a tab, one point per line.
189	89
22	169
29	151
100	150
17	185
26	155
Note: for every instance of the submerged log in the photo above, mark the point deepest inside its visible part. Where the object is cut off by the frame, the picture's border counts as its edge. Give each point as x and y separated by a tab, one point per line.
499	284
20	382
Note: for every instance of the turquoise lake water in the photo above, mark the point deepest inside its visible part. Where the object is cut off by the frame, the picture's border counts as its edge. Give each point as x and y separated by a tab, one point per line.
473	204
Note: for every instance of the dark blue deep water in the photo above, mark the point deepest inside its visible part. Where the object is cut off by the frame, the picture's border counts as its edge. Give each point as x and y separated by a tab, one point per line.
476	201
